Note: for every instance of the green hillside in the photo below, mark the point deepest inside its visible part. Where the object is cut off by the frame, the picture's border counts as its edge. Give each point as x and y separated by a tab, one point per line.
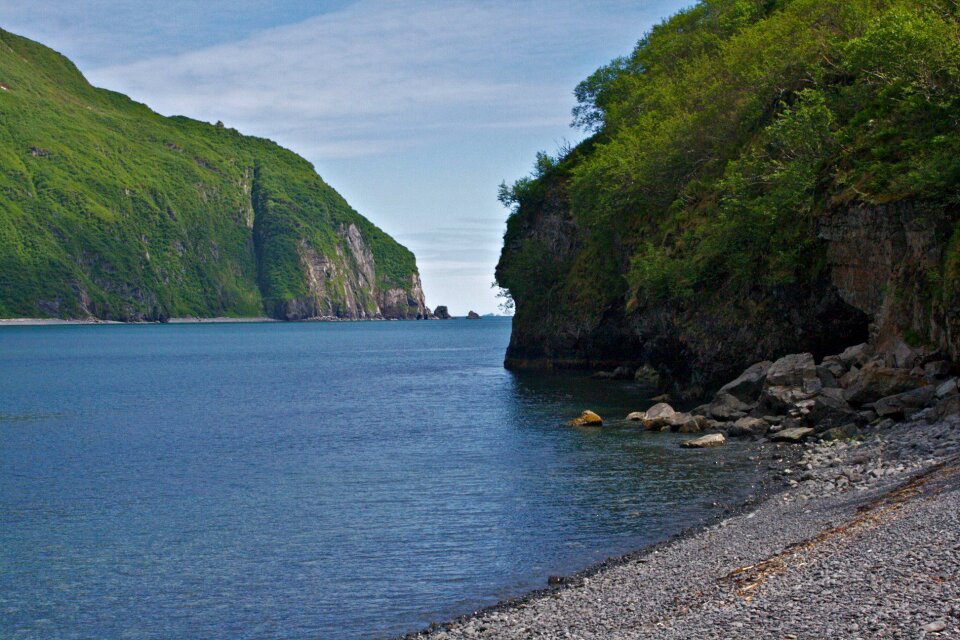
737	156
110	210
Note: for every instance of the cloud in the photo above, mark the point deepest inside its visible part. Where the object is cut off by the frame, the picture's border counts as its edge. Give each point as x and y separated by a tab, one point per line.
381	75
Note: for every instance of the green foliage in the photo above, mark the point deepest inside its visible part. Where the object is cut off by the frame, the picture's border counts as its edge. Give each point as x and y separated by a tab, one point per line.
110	209
725	134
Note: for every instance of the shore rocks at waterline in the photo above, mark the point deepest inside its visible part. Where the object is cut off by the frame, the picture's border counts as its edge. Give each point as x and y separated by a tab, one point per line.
704	442
442	313
587	419
794	398
473	315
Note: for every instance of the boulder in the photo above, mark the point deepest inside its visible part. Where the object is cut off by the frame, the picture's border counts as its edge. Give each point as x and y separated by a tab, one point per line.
904	404
794	370
647	375
856	356
947	407
703	442
657	415
748	427
790	380
636	416
938	370
827	377
746	388
948	388
587	419
903	356
843	432
830	409
473	315
683	423
875	381
798	434
441	313
728	407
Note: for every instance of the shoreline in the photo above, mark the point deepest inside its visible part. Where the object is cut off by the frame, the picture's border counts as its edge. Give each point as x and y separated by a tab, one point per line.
738	573
41	322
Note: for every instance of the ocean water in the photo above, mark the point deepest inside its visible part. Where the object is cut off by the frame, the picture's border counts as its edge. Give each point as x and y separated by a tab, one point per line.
342	480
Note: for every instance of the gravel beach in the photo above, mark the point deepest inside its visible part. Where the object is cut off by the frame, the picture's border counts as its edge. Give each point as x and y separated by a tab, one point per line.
861	540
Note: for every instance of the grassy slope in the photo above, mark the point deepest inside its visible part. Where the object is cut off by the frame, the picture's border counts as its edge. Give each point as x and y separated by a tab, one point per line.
723	136
108	207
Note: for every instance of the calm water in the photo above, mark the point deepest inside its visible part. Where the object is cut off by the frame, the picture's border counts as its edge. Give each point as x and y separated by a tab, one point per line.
310	480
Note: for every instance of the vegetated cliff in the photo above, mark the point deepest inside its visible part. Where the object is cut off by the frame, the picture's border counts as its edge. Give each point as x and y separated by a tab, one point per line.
764	177
109	210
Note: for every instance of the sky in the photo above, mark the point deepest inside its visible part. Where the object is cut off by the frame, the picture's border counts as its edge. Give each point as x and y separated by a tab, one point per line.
414	110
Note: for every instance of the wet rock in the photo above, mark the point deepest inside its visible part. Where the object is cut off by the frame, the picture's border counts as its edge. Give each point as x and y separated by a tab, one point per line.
636	416
587	419
798	434
748	427
703	442
657	415
683	423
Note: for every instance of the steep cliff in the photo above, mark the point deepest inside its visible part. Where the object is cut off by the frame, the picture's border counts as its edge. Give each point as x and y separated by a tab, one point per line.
109	210
764	177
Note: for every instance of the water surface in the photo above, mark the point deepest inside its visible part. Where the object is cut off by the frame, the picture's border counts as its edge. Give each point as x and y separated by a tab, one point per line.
342	480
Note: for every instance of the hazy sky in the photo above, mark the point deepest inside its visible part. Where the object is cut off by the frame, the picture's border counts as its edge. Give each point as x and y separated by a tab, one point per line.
414	110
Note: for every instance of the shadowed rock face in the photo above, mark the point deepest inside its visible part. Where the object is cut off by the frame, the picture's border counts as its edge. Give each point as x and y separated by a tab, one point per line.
880	260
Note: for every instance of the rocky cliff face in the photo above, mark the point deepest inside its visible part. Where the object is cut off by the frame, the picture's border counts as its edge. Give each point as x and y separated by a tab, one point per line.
888	260
883	281
346	285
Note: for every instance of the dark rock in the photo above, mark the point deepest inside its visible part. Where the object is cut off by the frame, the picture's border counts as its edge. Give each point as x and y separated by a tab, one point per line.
827	377
683	423
900	404
874	382
857	355
938	370
441	313
747	386
798	434
647	375
748	427
843	432
830	409
554	580
603	375
728	407
623	373
473	315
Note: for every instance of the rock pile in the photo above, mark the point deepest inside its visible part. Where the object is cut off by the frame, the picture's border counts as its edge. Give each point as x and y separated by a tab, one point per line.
795	398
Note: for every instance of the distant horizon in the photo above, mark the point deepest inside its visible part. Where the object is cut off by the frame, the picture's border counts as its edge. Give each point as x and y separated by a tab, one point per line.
415	112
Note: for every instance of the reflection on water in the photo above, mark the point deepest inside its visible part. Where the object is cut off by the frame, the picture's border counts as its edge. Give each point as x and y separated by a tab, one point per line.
312	480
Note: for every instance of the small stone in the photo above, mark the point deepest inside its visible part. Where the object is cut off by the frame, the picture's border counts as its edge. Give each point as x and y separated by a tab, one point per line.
935	627
711	440
637	416
797	434
587	419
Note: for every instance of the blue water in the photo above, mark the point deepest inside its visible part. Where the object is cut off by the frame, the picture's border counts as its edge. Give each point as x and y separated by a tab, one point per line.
311	480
